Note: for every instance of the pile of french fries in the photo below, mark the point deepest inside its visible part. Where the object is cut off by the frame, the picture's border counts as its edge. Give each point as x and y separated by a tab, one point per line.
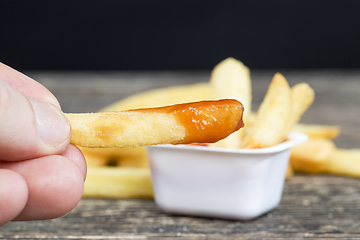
124	172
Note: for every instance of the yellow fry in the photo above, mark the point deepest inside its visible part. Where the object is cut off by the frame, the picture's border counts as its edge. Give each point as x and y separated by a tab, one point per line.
162	97
121	157
112	182
312	156
202	122
302	96
231	79
345	162
94	159
273	115
123	129
133	162
125	152
318	131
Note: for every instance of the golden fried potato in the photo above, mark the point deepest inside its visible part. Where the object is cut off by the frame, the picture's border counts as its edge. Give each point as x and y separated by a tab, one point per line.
131	162
200	122
312	156
125	152
123	129
113	182
318	131
163	97
231	79
93	159
120	157
302	96
272	117
344	162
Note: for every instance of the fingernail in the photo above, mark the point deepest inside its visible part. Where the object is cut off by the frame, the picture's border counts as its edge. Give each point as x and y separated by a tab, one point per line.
52	125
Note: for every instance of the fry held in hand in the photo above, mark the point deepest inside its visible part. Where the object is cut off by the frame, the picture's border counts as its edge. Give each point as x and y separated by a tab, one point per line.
199	122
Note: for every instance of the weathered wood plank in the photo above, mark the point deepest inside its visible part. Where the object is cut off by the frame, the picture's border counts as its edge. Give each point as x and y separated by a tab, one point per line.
312	206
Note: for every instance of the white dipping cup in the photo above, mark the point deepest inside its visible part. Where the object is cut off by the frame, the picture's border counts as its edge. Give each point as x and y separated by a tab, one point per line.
237	184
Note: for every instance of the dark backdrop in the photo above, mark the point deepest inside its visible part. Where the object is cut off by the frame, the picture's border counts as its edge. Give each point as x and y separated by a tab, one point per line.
178	35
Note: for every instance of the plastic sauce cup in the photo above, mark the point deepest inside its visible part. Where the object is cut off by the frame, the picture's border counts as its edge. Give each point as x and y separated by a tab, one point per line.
217	182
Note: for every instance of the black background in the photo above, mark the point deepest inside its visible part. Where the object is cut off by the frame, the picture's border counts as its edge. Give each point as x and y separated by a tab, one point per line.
179	35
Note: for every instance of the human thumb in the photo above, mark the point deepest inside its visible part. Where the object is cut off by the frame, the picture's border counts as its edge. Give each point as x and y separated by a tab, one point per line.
30	128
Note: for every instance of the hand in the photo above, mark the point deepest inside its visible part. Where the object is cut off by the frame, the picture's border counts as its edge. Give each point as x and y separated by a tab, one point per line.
41	174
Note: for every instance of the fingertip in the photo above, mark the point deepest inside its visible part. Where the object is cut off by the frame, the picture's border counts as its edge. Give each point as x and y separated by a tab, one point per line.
73	153
30	128
14	195
52	125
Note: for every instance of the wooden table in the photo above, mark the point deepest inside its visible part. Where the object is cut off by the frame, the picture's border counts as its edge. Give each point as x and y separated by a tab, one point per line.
312	206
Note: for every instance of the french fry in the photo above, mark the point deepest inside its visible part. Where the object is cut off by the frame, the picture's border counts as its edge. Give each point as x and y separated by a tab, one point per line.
312	156
318	131
250	120
163	97
112	182
344	162
201	122
302	96
121	157
125	152
272	117
132	162
94	159
231	79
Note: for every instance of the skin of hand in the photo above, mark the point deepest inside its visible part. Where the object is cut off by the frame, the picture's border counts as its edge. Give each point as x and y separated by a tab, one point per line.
41	174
